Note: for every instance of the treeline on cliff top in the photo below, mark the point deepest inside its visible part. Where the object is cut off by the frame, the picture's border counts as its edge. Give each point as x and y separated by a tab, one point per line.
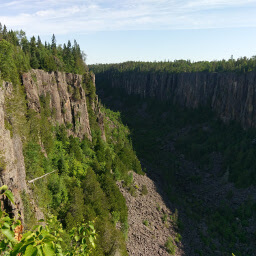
18	54
241	65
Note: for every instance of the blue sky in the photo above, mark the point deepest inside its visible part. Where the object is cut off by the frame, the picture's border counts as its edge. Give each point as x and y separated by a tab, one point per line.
150	30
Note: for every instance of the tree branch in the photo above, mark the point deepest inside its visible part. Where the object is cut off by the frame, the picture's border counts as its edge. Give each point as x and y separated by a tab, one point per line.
30	181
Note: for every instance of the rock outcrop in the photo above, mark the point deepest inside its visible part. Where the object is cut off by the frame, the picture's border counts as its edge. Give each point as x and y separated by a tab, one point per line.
67	98
12	171
231	95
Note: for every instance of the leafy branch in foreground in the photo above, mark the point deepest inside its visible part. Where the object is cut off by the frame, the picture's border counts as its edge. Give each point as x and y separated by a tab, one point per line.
42	240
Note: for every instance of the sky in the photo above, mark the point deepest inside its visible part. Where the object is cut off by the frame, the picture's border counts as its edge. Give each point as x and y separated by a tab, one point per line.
112	31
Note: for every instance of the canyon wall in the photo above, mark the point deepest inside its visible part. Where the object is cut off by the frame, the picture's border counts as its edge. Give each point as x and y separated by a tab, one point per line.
12	167
231	95
67	98
68	104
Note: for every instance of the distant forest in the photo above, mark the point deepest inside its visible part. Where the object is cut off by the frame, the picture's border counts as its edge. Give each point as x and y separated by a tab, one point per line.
180	66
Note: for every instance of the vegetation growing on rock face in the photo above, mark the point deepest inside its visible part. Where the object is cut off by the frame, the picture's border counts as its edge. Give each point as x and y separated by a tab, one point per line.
83	187
170	246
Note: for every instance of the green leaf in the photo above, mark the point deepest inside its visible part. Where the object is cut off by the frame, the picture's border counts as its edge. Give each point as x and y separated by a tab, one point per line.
16	249
40	252
4	187
30	251
9	234
48	249
6	219
48	238
77	238
91	226
6	225
10	196
3	246
27	235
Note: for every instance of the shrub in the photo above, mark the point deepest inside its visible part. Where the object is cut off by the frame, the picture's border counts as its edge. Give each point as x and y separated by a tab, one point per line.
133	191
170	247
164	218
144	190
146	223
178	238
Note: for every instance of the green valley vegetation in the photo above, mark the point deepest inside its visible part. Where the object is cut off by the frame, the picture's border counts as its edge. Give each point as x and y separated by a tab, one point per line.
83	187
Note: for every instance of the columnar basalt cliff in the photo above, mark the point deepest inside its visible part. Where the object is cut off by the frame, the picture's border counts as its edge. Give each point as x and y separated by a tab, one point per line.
67	98
231	95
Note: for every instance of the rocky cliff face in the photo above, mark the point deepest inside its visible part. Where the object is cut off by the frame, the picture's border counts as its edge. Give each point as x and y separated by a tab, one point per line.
12	170
231	95
67	98
67	101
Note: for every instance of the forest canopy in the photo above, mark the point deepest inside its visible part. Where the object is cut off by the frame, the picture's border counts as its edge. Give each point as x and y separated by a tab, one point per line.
242	64
18	54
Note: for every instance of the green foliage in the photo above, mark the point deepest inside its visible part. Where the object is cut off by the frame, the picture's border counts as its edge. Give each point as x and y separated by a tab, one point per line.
83	237
178	238
146	223
170	246
43	240
133	191
2	162
12	62
29	215
164	218
242	64
15	114
18	55
83	185
144	190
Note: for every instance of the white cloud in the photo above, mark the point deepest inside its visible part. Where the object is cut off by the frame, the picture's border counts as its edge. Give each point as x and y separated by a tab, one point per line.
82	16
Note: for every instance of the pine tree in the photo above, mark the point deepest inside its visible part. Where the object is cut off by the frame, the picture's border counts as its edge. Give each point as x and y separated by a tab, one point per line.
34	63
54	45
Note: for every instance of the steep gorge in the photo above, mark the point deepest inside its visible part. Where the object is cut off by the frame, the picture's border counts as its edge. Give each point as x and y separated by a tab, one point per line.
203	165
231	95
53	121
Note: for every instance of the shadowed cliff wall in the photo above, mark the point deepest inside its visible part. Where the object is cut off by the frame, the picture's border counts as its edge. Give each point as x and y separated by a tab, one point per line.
231	95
